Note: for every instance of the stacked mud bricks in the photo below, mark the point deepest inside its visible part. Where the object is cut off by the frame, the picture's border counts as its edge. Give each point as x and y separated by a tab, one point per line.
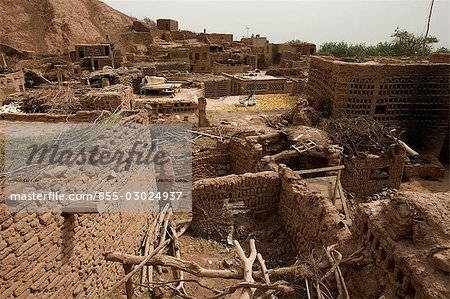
51	256
357	177
212	163
413	96
216	88
259	191
310	219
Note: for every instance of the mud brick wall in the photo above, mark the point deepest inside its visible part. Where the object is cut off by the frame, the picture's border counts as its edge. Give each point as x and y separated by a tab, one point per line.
78	117
11	83
412	96
245	155
50	256
310	219
212	163
217	88
356	177
258	191
404	246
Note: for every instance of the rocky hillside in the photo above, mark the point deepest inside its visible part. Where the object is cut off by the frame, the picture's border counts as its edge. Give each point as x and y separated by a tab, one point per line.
54	26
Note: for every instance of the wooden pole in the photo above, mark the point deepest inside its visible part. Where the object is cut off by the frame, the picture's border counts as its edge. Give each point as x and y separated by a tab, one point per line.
144	262
428	28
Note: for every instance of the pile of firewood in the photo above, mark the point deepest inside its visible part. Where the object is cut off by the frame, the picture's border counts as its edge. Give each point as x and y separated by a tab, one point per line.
362	136
54	101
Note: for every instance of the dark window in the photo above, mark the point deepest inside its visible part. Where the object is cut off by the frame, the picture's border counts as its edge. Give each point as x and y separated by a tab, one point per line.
380	109
380	174
107	50
81	52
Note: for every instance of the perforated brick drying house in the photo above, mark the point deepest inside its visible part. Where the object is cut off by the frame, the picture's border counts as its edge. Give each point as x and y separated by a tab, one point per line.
414	96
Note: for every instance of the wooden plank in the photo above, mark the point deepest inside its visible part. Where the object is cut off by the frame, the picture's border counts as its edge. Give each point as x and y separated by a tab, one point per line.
323	185
344	205
336	184
316	170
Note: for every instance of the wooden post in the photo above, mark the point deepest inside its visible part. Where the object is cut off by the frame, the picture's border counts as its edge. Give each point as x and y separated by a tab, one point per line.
129	284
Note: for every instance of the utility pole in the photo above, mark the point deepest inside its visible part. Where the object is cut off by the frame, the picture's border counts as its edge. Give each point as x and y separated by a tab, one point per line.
428	28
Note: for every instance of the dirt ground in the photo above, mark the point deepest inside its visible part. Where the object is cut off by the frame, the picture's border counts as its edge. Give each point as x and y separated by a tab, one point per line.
425	186
272	243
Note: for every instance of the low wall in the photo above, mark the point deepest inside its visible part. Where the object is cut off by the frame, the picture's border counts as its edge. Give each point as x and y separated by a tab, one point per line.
310	219
79	117
357	175
213	199
212	163
245	155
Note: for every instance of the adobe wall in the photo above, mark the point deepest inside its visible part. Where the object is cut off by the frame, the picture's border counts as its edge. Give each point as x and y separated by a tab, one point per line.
270	86
412	96
358	176
310	219
406	238
78	117
11	83
245	155
112	99
217	88
218	68
215	200
50	256
212	163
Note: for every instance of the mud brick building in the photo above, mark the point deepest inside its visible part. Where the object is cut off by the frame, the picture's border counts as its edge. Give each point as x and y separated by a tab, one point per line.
11	82
413	96
94	56
167	24
217	87
249	83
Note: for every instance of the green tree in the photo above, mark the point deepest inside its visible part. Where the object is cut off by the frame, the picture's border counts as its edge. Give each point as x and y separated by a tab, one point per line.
403	43
407	43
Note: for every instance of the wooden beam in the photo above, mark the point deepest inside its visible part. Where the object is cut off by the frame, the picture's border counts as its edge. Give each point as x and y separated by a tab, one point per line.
316	170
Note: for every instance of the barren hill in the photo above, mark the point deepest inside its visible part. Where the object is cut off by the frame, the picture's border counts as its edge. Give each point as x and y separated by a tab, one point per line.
54	26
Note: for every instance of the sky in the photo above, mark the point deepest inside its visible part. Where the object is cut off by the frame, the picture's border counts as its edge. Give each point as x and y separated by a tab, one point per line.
358	21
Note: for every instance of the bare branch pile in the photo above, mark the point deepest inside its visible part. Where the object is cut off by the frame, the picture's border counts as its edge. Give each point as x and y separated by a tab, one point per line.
53	101
362	136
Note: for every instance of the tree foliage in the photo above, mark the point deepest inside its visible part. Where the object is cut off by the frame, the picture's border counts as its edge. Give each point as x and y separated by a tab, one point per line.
403	43
149	21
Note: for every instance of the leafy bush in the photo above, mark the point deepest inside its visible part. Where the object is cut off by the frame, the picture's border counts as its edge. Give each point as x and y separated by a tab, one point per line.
403	43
